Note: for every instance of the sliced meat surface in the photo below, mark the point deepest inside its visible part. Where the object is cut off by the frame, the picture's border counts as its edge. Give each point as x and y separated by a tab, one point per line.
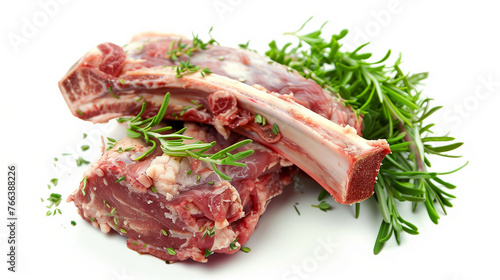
177	208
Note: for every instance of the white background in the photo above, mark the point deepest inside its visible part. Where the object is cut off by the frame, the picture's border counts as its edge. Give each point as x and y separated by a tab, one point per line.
456	41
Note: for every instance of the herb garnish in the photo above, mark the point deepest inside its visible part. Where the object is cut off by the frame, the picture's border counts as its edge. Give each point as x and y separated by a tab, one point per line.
84	184
393	108
246	249
259	119
207	253
80	161
296	209
54	199
209	231
184	48
323	206
112	142
186	68
172	144
171	251
233	246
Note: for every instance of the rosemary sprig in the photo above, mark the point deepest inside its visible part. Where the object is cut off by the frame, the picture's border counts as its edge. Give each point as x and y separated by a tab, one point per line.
392	108
176	50
173	144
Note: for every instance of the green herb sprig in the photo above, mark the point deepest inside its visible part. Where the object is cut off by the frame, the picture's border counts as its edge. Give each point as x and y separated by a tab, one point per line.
186	68
393	108
173	144
176	50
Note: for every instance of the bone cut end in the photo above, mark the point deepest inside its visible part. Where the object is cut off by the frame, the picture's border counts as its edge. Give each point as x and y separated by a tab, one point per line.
362	175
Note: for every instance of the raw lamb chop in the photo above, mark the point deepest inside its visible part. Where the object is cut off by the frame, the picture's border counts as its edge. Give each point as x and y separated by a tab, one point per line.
177	208
108	82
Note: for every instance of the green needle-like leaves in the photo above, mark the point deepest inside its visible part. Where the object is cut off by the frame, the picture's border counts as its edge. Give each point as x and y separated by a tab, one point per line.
173	144
392	108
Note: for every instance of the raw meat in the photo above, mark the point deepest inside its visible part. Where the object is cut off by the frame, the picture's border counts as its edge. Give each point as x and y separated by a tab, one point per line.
177	208
345	164
148	50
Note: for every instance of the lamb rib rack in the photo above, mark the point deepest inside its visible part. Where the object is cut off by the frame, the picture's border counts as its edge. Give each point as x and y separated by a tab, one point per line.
109	82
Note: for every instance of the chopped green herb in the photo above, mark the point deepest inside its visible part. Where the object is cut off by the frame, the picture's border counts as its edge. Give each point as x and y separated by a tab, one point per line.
233	245
79	112
115	220
92	219
73	223
211	183
207	253
80	161
122	81
112	142
54	181
322	194
210	232
171	251
221	58
276	130
54	199
85	147
259	119
84	135
244	46
121	150
133	242
205	71
121	179
84	184
123	231
154	189
189	172
296	209
198	105
323	206
184	110
164	232
358	205
111	92
246	249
